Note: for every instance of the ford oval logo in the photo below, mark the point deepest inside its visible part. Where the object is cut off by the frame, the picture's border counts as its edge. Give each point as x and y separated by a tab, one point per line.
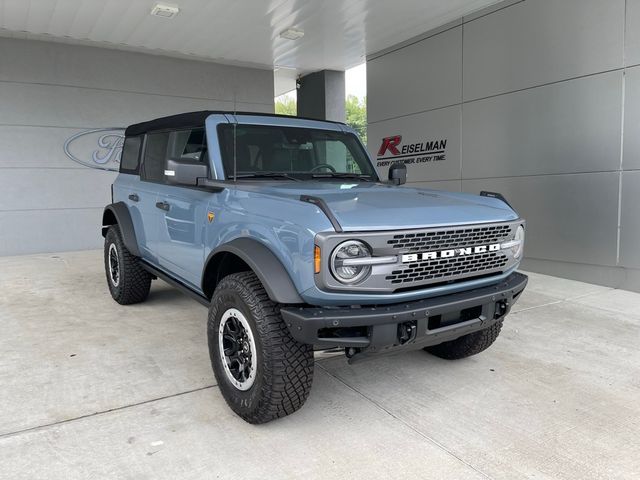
99	148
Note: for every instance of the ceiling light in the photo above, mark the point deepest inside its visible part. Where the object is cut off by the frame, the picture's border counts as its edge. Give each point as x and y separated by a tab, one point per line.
292	34
165	11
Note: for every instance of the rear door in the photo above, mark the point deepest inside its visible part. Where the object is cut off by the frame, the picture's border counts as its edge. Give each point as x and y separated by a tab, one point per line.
130	191
145	193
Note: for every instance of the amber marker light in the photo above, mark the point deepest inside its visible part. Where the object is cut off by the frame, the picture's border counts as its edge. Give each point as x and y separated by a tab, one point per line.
316	259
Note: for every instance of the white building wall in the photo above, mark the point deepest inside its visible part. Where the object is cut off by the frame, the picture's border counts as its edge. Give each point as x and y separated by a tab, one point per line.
538	100
51	91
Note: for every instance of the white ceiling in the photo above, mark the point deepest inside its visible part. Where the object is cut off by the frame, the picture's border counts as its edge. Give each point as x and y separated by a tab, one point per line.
338	33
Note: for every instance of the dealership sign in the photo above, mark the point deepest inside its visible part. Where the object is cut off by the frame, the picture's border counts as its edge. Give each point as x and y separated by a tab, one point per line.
427	143
99	148
394	150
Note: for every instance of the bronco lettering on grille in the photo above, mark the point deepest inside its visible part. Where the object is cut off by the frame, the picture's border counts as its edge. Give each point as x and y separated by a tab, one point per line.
454	252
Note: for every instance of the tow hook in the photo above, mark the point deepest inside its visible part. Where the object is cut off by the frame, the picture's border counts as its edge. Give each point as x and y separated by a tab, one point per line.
407	331
351	352
501	308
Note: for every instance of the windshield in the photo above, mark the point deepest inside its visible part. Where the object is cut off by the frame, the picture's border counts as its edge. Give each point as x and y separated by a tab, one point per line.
292	153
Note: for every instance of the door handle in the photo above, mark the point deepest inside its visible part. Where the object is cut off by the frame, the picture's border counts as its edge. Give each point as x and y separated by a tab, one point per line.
134	197
163	206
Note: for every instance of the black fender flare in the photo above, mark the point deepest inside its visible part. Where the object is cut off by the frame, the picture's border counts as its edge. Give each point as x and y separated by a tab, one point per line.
274	277
120	212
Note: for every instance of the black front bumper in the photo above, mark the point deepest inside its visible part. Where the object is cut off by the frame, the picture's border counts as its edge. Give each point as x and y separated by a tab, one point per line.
420	323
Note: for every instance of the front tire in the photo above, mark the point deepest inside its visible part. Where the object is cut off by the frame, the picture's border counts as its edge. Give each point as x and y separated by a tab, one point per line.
261	370
128	282
468	345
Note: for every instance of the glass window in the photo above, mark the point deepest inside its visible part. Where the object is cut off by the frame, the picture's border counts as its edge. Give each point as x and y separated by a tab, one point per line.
155	153
185	146
336	154
130	160
188	145
296	152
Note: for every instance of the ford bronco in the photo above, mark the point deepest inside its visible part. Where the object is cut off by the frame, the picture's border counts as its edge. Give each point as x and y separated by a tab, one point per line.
282	227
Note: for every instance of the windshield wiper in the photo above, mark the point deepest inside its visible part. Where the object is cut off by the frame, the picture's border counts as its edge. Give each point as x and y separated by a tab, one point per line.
268	175
356	176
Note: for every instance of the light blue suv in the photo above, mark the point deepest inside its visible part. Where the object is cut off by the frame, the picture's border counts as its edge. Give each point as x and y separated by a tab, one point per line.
282	228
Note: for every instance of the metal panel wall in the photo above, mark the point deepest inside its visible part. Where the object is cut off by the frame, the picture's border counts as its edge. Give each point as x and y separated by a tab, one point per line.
567	127
51	91
571	218
414	86
117	70
541	41
63	106
632	41
630	220
631	159
543	84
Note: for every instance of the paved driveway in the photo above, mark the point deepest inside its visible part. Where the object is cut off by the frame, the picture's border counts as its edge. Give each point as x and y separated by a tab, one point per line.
91	389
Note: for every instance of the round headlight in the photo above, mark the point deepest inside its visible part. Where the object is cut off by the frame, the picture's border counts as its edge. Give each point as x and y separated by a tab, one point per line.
344	261
518	247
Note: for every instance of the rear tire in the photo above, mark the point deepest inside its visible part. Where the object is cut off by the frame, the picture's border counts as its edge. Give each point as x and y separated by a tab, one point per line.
128	282
261	370
470	344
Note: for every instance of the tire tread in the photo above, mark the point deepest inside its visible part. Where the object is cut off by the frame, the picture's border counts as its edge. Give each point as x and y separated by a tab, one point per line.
135	281
289	376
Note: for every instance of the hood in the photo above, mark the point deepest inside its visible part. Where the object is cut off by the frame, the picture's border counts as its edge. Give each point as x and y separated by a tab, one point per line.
368	206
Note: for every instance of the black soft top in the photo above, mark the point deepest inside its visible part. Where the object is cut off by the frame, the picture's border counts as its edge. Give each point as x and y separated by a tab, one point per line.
194	119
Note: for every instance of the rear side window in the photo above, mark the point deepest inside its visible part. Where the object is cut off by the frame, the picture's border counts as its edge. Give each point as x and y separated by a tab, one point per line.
130	160
155	153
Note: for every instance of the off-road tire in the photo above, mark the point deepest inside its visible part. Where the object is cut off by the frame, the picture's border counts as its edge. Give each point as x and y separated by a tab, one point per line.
470	344
134	281
284	368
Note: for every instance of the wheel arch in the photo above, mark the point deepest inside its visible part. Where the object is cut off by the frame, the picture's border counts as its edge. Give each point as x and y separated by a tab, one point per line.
244	254
118	214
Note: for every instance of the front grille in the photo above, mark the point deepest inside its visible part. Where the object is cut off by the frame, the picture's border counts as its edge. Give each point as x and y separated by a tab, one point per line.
430	241
444	268
453	268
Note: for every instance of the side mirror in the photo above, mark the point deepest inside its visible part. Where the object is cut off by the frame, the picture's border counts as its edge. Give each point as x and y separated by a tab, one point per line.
185	172
398	174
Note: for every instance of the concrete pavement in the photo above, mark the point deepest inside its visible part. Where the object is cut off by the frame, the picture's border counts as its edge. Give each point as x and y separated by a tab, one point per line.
91	389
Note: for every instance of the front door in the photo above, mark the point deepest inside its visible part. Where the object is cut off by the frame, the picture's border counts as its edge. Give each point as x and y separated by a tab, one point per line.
184	217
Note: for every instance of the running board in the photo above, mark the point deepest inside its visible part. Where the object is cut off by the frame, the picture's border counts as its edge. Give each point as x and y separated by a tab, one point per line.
175	283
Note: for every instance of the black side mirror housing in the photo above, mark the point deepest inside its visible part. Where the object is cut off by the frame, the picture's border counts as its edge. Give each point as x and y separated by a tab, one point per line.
398	174
185	172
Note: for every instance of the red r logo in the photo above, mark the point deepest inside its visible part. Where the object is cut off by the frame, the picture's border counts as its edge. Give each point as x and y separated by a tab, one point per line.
391	144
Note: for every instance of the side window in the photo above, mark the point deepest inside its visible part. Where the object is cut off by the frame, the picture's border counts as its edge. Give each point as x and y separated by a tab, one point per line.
188	146
155	153
130	160
178	146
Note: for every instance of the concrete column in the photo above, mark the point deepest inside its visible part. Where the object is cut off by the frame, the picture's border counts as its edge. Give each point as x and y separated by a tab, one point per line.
321	96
